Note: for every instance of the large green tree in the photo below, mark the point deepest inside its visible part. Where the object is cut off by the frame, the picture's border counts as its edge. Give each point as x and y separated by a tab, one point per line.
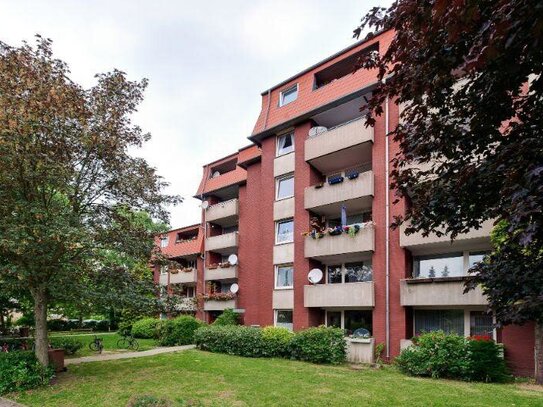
468	77
69	189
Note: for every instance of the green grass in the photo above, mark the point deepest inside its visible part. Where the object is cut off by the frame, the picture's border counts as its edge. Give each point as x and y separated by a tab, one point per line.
199	378
110	343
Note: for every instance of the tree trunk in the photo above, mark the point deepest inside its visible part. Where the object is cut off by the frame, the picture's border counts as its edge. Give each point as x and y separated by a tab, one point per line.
539	353
40	331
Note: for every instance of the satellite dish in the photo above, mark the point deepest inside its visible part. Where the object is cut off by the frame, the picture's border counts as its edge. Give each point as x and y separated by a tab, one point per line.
315	276
205	205
234	288
233	259
216	174
315	131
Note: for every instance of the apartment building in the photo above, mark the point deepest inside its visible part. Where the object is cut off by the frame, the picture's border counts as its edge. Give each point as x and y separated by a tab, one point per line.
311	195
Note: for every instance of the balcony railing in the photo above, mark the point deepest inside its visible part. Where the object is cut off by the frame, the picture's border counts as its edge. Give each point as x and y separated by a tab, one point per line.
223	212
339	295
215	305
224	242
221	273
343	244
439	292
183	276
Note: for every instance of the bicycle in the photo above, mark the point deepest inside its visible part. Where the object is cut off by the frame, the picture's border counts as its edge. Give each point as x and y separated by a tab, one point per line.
97	344
128	342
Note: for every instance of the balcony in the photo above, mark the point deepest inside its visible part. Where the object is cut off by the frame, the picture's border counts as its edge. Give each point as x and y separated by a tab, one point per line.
224	244
183	277
214	305
186	304
439	292
355	295
342	247
343	146
473	240
224	213
221	273
327	200
163	279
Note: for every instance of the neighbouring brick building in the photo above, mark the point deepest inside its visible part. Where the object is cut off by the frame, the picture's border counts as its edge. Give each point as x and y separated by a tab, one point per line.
312	192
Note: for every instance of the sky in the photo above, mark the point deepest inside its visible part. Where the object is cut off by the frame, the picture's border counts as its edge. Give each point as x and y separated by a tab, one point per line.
206	61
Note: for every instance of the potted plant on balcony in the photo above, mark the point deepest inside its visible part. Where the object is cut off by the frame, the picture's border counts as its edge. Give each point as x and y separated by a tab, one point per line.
212	266
225	264
335	231
174	270
351	230
335	179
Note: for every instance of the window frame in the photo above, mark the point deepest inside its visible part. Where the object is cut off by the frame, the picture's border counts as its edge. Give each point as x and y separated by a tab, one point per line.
367	263
277	266
465	254
276	313
277	143
277	223
282	93
164	241
278	181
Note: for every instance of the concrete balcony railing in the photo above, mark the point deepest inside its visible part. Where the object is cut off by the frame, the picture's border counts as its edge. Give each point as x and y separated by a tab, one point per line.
439	292
163	279
223	212
327	246
214	305
345	139
183	277
339	295
332	196
221	273
473	240
222	243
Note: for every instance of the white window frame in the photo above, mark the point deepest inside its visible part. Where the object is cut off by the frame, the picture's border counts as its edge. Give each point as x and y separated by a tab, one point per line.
277	143
277	223
164	241
277	287
276	311
163	270
465	262
344	272
278	181
342	312
287	90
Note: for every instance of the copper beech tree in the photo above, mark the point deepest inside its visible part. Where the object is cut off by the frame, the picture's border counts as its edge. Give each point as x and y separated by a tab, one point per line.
70	193
468	77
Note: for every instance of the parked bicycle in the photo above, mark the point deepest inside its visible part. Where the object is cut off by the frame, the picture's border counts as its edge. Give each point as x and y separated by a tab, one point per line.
128	342
97	344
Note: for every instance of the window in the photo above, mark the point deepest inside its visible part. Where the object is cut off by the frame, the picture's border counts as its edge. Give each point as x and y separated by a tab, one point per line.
288	95
164	270
284	276
351	219
333	318
449	265
283	318
164	240
284	232
476	257
357	272
481	323
285	144
334	275
230	229
284	187
449	321
357	319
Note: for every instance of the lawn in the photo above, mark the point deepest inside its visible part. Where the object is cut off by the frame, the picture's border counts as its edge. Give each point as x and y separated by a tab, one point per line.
199	378
109	340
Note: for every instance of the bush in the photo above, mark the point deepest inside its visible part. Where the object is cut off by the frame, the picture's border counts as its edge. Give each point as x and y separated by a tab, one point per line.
276	341
101	325
25	320
228	317
179	331
15	344
125	328
57	325
21	371
439	355
232	340
70	345
146	328
319	345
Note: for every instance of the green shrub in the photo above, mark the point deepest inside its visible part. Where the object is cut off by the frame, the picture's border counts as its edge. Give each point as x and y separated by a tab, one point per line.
231	339
101	325
21	371
486	363
15	344
70	345
146	328
57	325
125	328
276	341
319	345
179	331
25	320
228	317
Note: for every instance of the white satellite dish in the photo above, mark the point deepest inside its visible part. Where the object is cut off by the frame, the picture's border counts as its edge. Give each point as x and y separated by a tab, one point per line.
234	288
315	276
233	259
205	205
315	131
216	174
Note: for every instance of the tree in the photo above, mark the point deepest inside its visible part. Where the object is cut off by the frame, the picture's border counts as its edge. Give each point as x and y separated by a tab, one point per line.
467	75
445	272
70	193
432	272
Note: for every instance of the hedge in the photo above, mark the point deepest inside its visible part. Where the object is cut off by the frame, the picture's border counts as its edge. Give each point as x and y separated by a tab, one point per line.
440	355
22	371
228	317
324	345
178	331
146	328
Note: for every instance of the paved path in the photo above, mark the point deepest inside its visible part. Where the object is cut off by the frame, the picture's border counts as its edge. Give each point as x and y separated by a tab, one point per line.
9	403
126	355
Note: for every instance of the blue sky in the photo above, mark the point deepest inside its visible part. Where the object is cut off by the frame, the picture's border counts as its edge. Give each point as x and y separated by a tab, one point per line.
206	62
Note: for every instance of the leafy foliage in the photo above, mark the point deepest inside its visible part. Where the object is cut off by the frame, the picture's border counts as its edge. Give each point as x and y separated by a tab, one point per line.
146	328
179	331
70	345
319	345
228	317
486	362
22	371
276	341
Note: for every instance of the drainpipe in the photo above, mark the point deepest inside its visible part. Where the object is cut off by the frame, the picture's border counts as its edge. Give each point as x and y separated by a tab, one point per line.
267	110
387	236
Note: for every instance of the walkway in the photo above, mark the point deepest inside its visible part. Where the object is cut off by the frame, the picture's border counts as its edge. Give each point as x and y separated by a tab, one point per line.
127	355
9	403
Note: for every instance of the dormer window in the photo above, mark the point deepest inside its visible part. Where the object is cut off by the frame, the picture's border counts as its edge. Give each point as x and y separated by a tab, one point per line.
288	95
